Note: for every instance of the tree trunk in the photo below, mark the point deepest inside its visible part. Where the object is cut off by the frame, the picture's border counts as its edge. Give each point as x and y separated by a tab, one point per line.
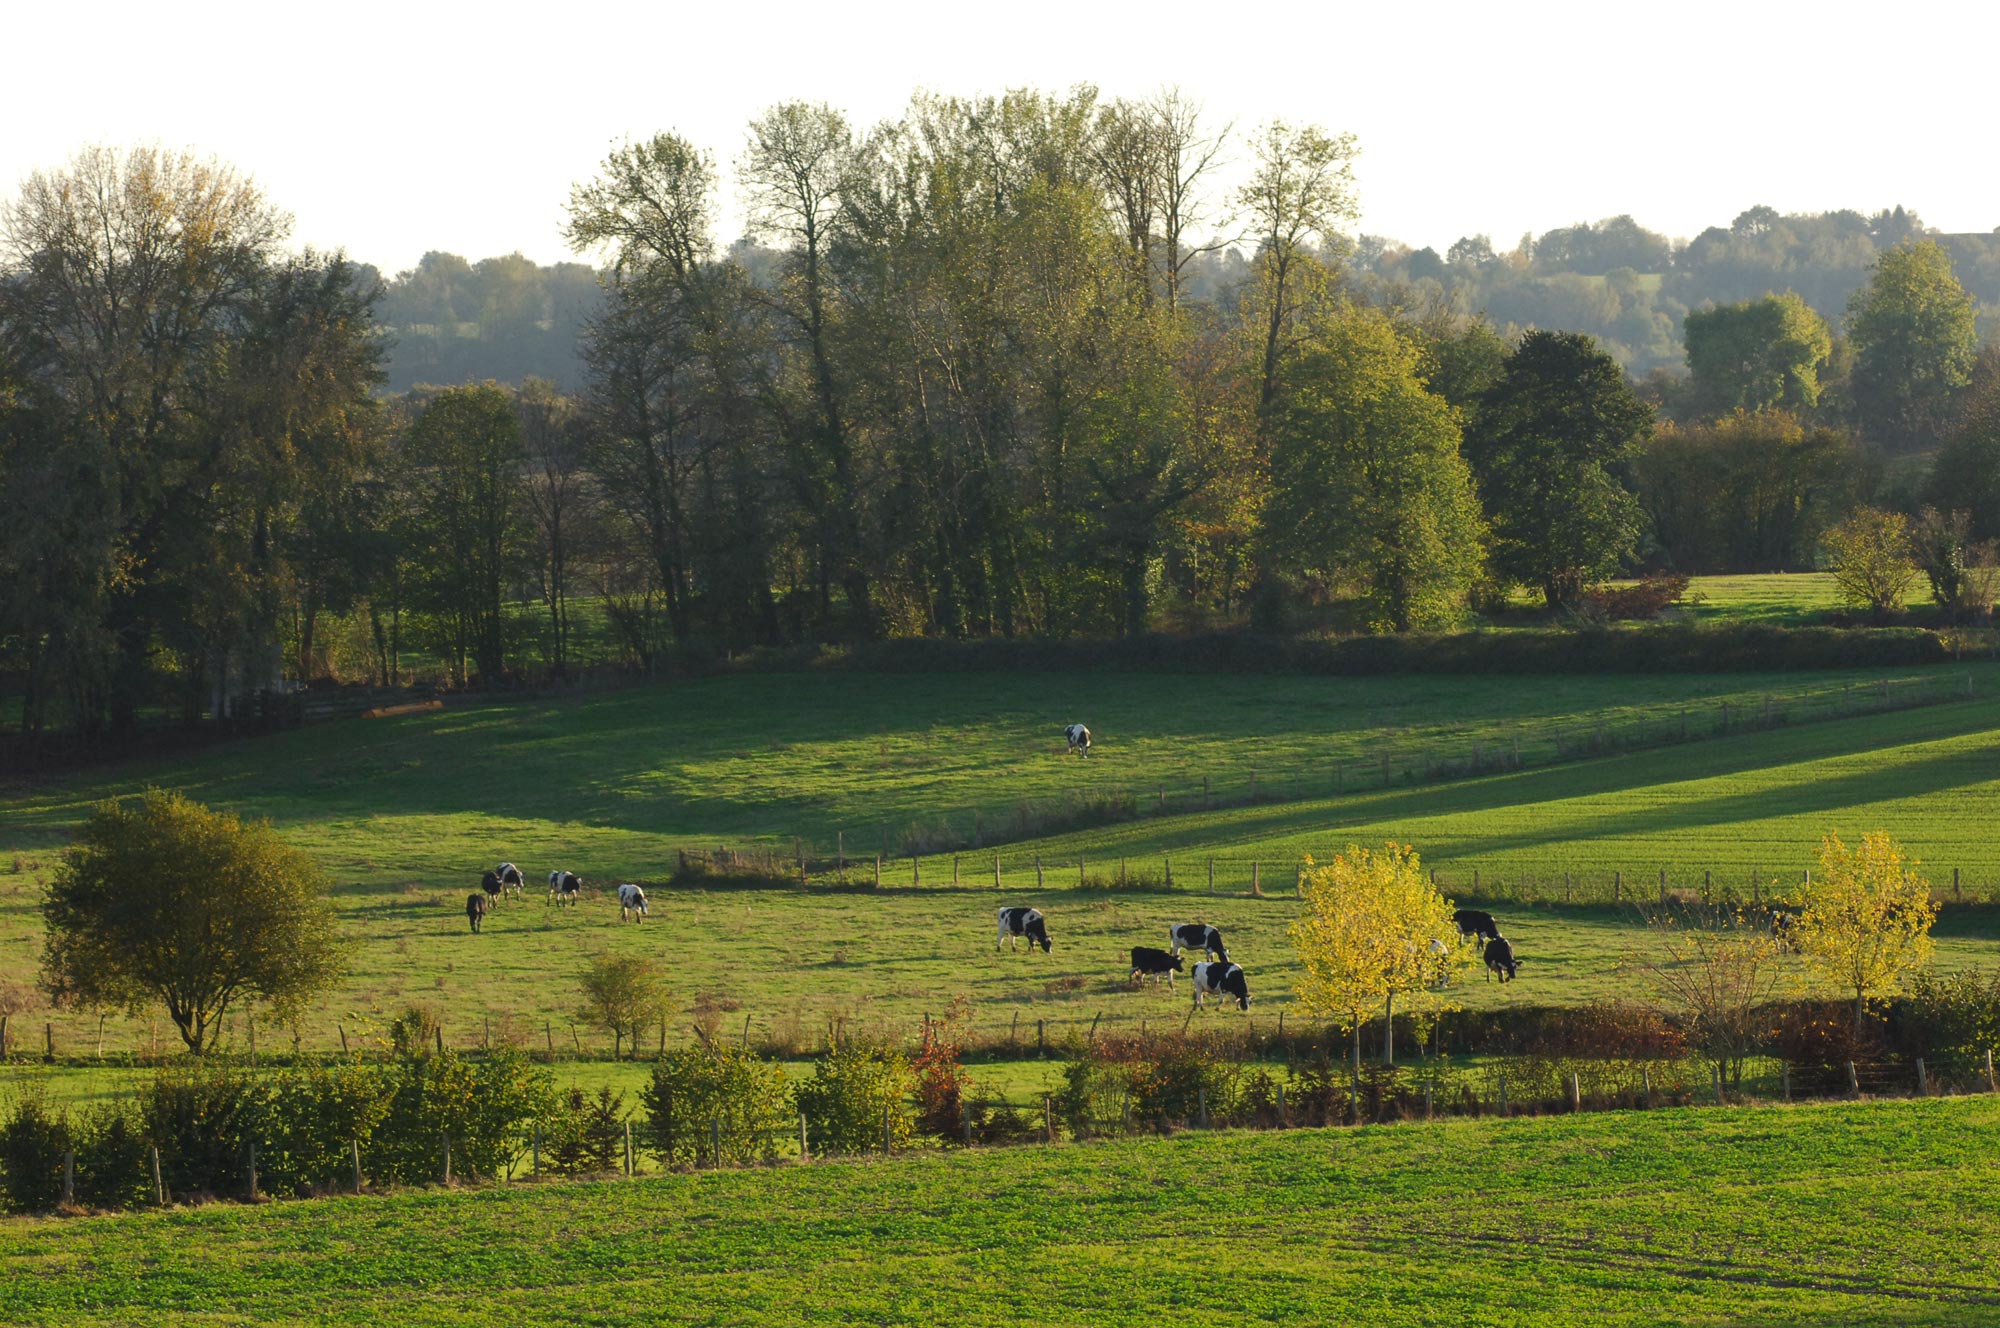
1389	1030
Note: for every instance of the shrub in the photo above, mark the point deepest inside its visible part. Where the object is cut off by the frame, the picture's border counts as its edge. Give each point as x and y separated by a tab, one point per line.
1182	1072
1096	1087
314	1117
32	1143
622	994
1653	595
203	1119
113	1157
941	1080
587	1134
715	1088
845	1101
484	1106
1952	1019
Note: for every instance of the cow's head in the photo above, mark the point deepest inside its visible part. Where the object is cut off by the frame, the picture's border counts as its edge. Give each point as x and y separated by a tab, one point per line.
1179	967
1038	934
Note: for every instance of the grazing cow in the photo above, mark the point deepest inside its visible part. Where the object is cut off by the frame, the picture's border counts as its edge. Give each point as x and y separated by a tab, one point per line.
631	903
1476	922
1500	958
1079	739
1220	980
1026	922
1785	929
564	887
1198	936
490	883
475	909
1146	960
510	878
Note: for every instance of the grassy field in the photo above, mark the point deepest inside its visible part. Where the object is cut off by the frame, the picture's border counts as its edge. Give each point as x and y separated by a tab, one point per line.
406	811
1840	1214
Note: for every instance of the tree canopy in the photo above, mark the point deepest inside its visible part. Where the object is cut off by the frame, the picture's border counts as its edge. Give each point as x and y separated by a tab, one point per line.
168	901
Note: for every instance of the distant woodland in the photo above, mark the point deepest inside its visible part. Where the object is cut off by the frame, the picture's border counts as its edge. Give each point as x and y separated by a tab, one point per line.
1007	366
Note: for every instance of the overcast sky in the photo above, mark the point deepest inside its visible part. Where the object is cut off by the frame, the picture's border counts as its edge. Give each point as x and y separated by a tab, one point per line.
390	129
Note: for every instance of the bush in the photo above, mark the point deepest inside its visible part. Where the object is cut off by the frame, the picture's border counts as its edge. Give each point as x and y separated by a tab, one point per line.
313	1119
1652	596
113	1157
845	1100
587	1135
941	1080
32	1143
486	1108
203	1119
718	1087
1952	1020
1168	1077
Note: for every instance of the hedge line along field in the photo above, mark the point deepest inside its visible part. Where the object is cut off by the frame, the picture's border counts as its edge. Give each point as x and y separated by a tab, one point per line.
1849	1214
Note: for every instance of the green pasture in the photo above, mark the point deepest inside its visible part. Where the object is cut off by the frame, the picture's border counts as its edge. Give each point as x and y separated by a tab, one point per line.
1849	1214
406	811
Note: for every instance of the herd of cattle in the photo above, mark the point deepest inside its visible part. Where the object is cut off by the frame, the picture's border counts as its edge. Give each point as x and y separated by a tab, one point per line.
565	889
1217	975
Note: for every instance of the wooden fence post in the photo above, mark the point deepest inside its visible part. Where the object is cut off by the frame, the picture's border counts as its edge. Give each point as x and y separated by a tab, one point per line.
354	1156
996	871
1201	1098
439	1030
1617	886
714	1142
878	871
1041	1041
159	1185
840	848
447	1156
69	1179
1256	884
631	1163
1284	1118
1954	883
253	1171
1038	872
885	1129
1663	886
805	1151
1853	1080
1575	1093
916	870
1991	1086
1785	1079
1169	870
1079	871
1923	1080
1646	1080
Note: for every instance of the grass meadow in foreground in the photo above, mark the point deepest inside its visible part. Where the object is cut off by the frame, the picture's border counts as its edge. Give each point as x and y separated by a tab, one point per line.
1849	1214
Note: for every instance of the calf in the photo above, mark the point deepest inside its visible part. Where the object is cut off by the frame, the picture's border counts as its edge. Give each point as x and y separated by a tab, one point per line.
564	887
510	878
490	883
475	909
1220	980
1197	936
1476	922
1500	958
1079	739
1026	922
1146	960
631	903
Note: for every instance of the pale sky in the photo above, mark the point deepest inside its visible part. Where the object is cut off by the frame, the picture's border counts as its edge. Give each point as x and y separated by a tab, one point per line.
390	129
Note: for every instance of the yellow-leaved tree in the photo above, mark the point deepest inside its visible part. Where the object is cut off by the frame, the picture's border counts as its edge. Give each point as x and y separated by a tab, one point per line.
1375	929
1864	917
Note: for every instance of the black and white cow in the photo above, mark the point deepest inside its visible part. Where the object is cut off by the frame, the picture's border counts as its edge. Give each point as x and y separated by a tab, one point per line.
1079	739
1476	922
1198	936
564	887
490	883
510	878
1026	922
1146	961
1500	958
475	909
1220	980
631	903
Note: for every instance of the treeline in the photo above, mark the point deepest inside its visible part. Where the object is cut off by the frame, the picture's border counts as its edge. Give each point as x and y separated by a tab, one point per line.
1633	289
973	380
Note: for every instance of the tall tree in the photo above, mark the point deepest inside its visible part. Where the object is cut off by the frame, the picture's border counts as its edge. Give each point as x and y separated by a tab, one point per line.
462	459
1550	442
1300	193
1757	355
556	490
1367	481
800	160
1914	343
